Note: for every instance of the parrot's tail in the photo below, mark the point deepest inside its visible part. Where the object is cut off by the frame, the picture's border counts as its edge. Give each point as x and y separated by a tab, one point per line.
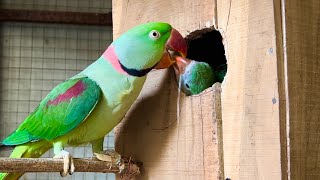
28	150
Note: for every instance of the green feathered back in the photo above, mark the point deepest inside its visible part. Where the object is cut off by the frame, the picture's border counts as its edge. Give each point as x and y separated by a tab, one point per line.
64	108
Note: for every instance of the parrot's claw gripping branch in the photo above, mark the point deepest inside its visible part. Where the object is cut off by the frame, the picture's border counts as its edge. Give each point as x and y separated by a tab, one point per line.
68	164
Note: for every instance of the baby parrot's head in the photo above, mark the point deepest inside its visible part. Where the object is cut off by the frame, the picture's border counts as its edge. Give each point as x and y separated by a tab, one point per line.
195	76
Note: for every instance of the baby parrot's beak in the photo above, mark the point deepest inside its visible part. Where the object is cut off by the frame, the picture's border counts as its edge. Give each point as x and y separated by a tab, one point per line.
181	64
176	46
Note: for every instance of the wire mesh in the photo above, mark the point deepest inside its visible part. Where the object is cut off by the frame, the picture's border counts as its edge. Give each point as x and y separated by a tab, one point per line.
34	58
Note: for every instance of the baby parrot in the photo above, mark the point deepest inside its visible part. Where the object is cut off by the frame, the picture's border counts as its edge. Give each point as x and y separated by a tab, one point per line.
221	72
86	107
197	76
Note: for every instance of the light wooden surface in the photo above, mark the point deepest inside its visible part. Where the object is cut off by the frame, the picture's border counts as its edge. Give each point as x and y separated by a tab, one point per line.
250	99
185	16
270	96
149	132
303	72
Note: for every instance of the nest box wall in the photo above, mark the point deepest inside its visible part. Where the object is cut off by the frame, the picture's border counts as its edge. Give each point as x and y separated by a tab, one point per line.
149	131
270	116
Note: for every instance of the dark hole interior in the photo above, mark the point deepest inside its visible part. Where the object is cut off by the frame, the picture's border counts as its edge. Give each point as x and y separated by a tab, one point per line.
206	45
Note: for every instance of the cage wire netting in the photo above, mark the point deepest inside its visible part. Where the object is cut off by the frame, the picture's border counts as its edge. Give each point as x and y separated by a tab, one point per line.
34	58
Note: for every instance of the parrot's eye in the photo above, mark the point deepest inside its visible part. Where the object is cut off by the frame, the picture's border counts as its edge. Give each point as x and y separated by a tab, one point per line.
187	85
154	34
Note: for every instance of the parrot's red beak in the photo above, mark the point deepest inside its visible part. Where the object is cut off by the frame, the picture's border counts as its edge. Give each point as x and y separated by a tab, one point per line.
176	46
181	64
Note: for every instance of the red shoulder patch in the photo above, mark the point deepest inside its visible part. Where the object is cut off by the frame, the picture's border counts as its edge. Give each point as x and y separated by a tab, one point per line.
72	92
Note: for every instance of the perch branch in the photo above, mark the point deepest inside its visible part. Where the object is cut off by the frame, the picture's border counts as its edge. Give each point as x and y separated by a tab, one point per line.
55	165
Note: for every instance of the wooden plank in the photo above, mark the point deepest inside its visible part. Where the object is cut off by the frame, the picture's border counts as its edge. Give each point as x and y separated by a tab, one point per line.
149	131
185	16
281	89
37	16
303	71
250	96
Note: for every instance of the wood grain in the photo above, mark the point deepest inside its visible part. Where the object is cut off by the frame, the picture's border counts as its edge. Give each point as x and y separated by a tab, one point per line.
54	165
250	97
303	72
149	131
270	96
185	16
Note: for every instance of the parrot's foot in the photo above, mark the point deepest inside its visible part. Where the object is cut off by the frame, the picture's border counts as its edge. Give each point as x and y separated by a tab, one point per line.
68	165
127	167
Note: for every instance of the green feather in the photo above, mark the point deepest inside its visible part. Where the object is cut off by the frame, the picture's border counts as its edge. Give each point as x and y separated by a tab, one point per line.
97	110
49	121
197	77
221	72
136	50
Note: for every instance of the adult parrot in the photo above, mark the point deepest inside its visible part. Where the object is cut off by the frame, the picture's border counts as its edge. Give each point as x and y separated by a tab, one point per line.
86	107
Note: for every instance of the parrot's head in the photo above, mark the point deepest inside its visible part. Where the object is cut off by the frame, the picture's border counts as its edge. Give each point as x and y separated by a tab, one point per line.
195	77
145	47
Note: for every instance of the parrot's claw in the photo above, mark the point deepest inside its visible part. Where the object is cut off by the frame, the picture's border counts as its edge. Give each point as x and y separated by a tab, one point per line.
68	165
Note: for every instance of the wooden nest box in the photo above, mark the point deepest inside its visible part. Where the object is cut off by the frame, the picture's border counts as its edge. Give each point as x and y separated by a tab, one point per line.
262	123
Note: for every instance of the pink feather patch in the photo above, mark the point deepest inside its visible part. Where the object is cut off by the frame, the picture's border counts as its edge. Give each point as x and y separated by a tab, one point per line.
110	56
72	92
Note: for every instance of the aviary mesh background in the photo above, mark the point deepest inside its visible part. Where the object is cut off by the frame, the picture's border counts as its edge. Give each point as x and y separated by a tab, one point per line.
34	58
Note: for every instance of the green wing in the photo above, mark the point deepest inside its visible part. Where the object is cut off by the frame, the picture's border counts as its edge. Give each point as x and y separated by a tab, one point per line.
64	108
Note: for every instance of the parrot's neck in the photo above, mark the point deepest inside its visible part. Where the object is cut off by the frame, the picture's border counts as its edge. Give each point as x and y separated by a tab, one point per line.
108	70
111	56
119	91
111	81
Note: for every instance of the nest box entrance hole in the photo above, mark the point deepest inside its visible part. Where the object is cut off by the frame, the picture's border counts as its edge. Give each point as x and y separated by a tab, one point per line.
205	45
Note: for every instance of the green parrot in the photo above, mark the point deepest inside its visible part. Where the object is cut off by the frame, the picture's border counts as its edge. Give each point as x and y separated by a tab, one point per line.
197	76
86	107
221	72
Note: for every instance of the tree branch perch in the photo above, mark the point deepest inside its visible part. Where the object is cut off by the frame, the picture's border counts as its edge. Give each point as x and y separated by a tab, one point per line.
55	165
